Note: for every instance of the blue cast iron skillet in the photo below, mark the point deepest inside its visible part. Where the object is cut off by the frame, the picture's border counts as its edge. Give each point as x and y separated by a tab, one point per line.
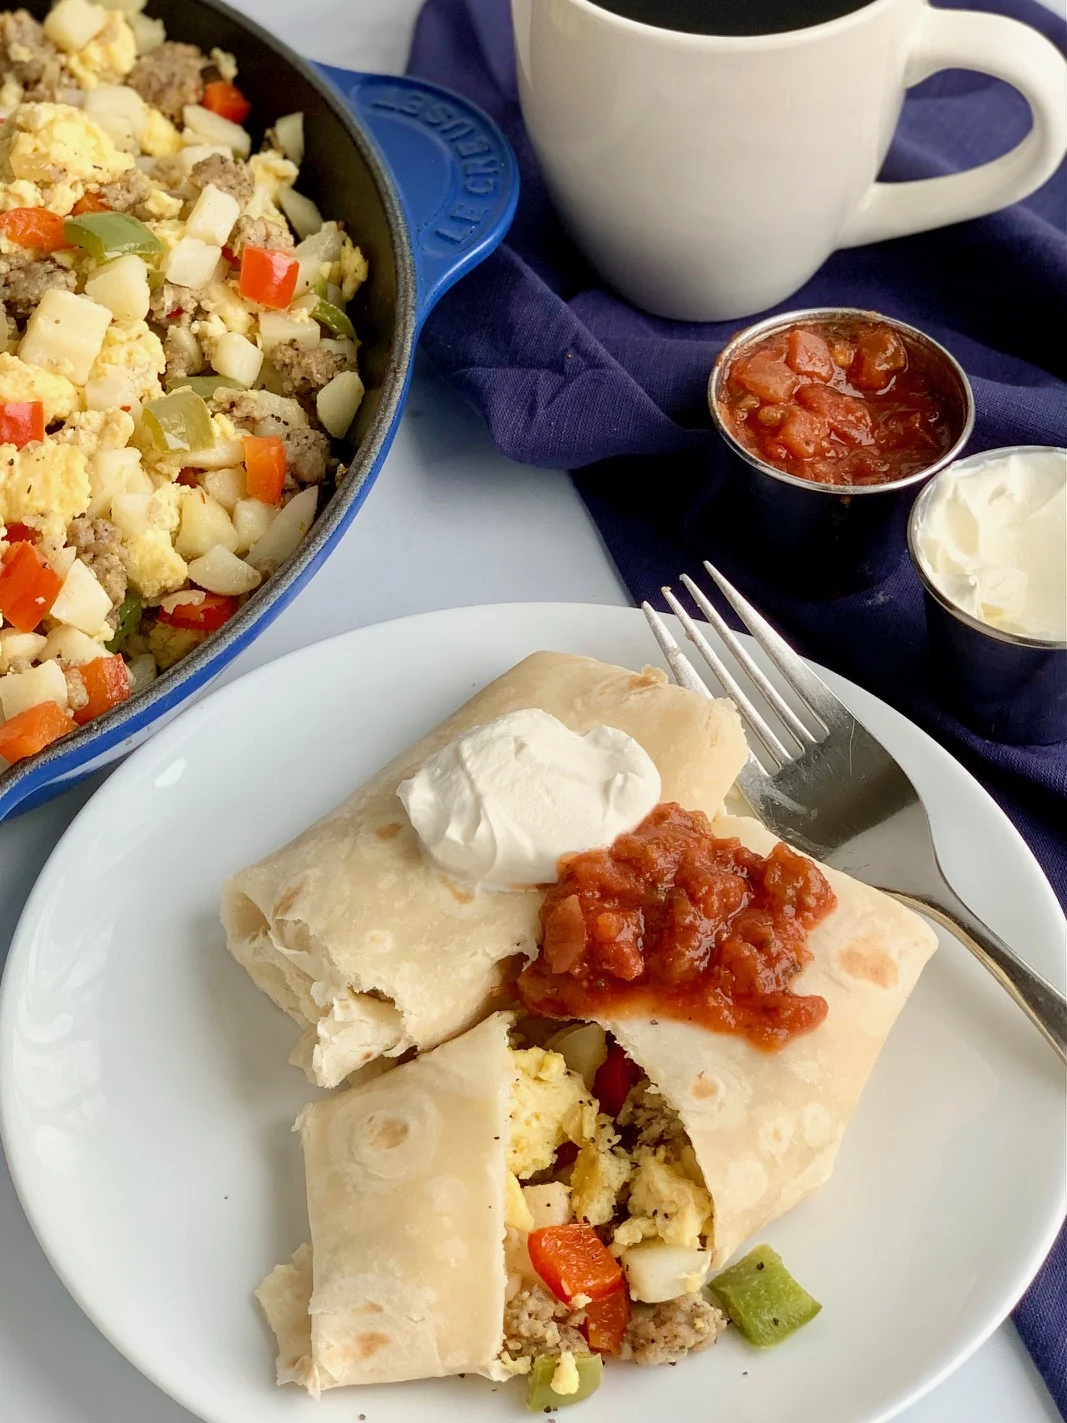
427	186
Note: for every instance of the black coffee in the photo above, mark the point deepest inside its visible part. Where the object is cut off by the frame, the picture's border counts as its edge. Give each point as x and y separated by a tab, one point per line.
732	17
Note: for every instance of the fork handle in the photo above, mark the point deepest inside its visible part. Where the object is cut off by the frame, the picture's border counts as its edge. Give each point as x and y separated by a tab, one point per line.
1044	1005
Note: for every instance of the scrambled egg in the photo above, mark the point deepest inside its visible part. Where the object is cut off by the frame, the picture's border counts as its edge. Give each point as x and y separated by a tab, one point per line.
161	205
565	1378
352	270
44	485
159	138
224	303
600	1172
664	1202
517	1213
169	644
155	567
550	1105
107	58
20	381
58	149
133	351
93	430
272	172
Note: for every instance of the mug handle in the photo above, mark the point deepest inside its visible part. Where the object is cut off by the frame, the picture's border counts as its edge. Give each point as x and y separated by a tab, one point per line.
1006	49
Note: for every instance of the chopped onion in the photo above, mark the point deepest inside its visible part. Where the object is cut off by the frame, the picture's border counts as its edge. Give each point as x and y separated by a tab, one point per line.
220	571
286	533
301	212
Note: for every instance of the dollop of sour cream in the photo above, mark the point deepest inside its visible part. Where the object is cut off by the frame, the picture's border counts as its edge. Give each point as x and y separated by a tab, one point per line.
497	807
993	540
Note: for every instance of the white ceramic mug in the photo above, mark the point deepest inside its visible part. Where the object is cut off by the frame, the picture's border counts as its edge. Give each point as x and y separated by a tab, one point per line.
709	177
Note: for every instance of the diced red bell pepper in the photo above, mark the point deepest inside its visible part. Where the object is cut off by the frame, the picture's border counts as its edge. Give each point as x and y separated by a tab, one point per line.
20	534
20	422
606	1320
573	1260
32	730
28	587
190	478
227	100
34	227
268	277
264	467
91	202
207	616
614	1078
108	682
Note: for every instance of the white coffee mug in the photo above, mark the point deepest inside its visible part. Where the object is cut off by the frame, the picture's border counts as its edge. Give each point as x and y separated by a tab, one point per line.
709	177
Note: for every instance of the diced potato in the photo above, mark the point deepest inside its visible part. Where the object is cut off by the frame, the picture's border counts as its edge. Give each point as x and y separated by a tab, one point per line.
120	111
129	513
656	1271
549	1204
113	472
21	690
82	603
147	34
72	24
220	571
60	560
278	327
290	131
286	533
113	391
205	523
65	334
583	1047
121	286
128	7
252	518
338	401
193	153
15	644
72	646
301	212
191	262
213	216
316	252
236	357
208	127
228	486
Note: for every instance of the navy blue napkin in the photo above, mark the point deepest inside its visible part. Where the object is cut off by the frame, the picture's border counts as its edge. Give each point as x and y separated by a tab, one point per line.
567	375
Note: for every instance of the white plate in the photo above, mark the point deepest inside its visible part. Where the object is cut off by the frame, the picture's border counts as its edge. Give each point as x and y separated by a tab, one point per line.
146	1101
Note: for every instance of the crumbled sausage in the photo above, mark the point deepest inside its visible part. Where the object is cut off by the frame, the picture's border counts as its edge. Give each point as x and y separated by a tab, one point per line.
307	450
127	192
26	53
664	1333
24	279
535	1322
648	1119
171	303
260	232
182	352
99	545
227	174
77	694
305	369
169	77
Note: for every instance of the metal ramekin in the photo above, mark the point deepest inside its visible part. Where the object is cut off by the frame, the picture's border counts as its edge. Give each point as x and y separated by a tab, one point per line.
1004	686
818	539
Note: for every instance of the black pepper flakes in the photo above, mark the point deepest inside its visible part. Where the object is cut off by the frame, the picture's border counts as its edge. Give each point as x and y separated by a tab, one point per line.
759	1264
775	1323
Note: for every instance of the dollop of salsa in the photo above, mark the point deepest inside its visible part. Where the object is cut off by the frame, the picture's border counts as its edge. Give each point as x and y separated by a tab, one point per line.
672	921
839	403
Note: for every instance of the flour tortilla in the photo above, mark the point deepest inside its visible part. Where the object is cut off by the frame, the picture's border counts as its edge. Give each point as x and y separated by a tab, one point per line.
766	1127
404	1277
365	943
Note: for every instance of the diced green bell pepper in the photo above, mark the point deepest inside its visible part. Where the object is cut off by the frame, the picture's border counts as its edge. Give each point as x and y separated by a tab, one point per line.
129	618
334	319
541	1395
179	421
111	234
204	386
762	1298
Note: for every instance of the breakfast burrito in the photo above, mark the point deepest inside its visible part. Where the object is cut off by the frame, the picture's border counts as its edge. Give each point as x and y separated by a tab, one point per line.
538	1194
393	922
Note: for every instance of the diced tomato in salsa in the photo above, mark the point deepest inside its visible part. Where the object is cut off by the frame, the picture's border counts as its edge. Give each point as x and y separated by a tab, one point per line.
809	354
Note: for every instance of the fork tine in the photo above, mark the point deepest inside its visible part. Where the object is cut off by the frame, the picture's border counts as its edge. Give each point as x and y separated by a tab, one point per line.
810	688
771	695
729	683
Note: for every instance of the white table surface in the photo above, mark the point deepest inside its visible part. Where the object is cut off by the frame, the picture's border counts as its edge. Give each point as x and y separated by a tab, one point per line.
450	522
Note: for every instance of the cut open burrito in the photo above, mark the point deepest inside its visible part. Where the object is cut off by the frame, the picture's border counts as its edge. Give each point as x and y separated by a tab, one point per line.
356	933
437	1193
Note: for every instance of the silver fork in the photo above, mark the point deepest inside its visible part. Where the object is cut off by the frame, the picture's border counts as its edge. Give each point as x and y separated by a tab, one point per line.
833	791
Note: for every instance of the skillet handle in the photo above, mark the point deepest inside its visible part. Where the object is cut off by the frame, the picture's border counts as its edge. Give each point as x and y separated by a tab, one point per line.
455	173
